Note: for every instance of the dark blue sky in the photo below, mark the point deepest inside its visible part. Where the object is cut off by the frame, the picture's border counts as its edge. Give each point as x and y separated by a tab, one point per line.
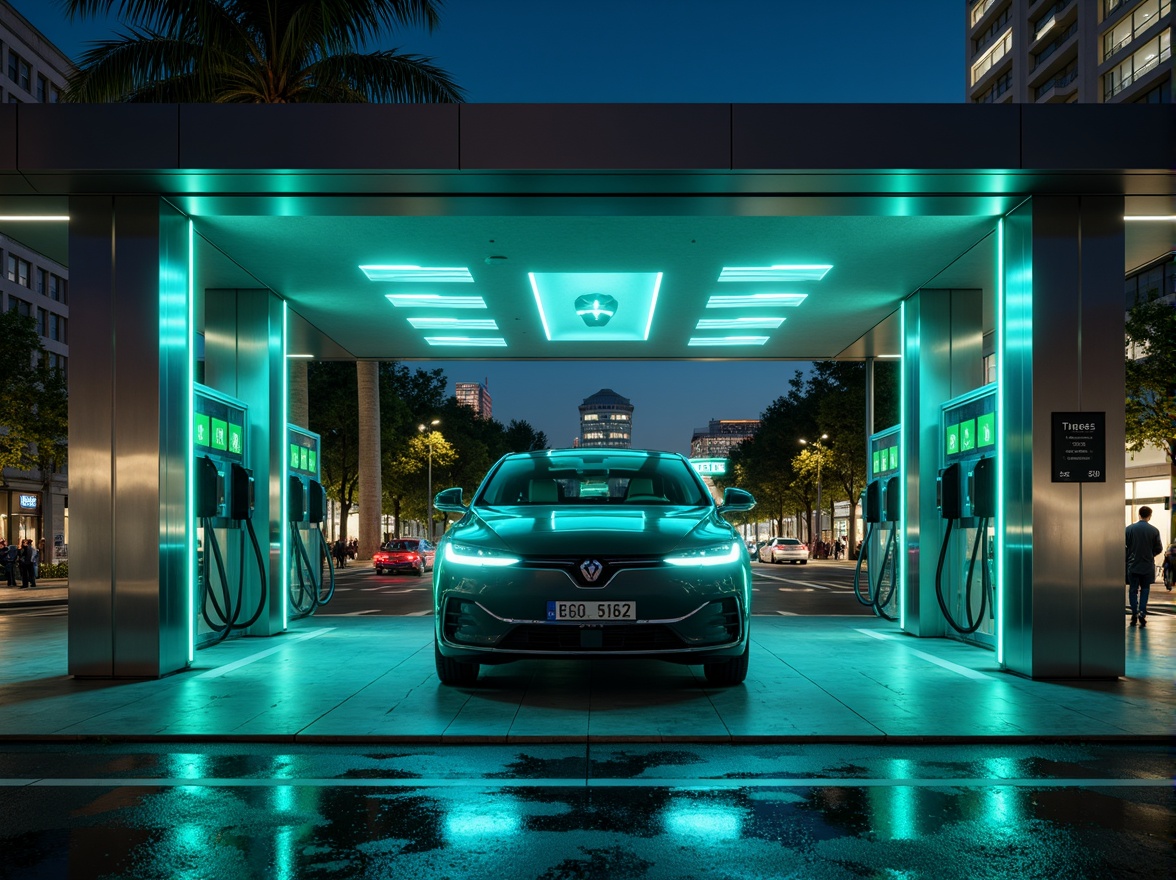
528	51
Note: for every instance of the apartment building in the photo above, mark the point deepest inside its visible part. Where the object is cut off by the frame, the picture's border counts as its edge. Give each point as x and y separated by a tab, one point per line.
606	419
475	395
32	504
720	436
1069	51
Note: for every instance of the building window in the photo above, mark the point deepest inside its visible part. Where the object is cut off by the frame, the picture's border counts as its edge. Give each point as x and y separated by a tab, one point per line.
54	94
1141	18
1054	45
980	8
19	71
56	327
1003	84
1161	94
42	89
1146	58
1063	79
981	40
591	417
1110	6
39	275
42	322
992	56
20	307
56	288
19	270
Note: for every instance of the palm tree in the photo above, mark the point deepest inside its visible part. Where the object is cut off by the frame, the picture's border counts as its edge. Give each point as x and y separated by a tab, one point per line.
256	52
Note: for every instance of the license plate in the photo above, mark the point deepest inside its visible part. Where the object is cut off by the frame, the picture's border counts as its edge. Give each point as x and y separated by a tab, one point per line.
595	610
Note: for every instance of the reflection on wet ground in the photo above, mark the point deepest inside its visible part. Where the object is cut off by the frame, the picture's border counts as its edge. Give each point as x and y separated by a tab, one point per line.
568	812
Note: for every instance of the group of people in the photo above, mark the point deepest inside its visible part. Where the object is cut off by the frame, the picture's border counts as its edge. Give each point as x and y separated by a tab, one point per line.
834	549
26	558
344	550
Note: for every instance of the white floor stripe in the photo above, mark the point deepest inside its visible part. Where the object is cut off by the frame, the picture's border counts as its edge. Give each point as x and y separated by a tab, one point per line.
572	782
938	661
252	658
428	613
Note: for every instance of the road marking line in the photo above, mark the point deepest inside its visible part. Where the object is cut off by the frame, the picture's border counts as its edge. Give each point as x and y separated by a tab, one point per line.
252	658
428	613
575	782
938	661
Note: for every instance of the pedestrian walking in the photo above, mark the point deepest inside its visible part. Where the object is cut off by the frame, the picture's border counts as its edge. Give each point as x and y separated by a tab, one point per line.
8	555
1143	546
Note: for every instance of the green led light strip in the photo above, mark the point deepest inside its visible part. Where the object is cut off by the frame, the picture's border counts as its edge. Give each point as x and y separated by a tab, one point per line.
779	272
902	470
471	341
434	301
453	323
1000	447
436	274
190	454
698	341
754	300
739	323
284	514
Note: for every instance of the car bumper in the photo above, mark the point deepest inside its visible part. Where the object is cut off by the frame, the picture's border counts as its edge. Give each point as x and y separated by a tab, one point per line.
687	616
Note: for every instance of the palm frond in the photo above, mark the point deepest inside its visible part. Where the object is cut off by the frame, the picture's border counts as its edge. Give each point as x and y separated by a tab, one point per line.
113	70
388	77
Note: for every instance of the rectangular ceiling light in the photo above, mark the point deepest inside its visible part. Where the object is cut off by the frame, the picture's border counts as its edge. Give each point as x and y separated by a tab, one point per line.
768	323
632	297
453	323
754	300
34	218
697	341
434	301
784	272
468	341
1143	218
441	274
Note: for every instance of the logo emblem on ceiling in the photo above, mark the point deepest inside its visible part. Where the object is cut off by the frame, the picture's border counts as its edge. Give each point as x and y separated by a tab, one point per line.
591	570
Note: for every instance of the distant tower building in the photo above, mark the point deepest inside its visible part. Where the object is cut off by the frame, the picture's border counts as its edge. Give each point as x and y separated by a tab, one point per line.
606	419
1069	51
476	396
718	438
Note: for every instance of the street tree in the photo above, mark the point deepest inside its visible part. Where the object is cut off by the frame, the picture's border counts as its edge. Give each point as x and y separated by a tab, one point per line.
33	401
1151	379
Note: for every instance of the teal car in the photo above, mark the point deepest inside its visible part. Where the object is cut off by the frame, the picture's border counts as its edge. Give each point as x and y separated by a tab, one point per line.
592	553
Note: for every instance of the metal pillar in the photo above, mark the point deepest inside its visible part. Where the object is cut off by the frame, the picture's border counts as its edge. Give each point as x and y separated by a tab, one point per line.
1062	550
128	437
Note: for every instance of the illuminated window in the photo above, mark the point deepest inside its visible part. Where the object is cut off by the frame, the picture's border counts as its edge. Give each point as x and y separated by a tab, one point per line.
1133	25
591	417
980	8
1144	60
994	54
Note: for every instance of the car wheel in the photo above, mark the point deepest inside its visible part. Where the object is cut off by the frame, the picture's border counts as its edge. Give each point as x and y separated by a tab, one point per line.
379	570
804	562
455	672
421	572
728	672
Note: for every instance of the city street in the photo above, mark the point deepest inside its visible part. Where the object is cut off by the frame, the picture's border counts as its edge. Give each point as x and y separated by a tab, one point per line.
821	586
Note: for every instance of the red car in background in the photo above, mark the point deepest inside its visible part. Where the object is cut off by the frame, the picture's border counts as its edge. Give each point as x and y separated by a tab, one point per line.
404	554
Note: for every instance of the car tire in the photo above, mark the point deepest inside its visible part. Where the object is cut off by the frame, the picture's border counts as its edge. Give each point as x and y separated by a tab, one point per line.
379	570
454	672
804	562
420	572
728	672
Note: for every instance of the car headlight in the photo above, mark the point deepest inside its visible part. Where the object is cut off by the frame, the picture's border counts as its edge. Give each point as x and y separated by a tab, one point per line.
467	554
713	554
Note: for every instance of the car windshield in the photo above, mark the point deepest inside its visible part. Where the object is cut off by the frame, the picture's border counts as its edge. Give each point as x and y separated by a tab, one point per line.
594	478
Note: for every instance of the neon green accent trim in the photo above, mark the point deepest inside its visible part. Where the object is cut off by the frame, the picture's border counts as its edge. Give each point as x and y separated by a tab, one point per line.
902	470
434	301
470	341
283	513
433	274
781	272
190	454
453	323
754	300
697	341
739	323
1001	463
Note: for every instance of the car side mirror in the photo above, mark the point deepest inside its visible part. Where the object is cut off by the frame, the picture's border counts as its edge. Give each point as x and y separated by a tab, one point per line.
735	500
449	501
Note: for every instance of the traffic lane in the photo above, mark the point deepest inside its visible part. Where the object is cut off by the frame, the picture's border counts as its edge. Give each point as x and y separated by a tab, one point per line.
832	811
819	587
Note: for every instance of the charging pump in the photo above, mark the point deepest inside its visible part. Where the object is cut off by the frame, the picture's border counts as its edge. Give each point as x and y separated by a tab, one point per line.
306	502
224	503
881	502
966	491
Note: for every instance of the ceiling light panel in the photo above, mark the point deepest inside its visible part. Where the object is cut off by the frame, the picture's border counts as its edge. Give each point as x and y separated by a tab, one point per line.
434	301
468	341
754	300
434	274
782	272
453	323
707	341
768	323
635	294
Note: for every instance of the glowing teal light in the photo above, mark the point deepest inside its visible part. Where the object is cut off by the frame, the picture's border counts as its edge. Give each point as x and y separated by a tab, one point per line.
453	323
739	323
707	341
703	822
902	474
439	274
489	822
1000	447
779	272
479	556
434	301
635	294
754	300
190	455
721	554
284	539
468	341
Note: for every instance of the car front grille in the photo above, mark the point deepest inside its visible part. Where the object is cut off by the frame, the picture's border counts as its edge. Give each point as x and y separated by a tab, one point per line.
609	637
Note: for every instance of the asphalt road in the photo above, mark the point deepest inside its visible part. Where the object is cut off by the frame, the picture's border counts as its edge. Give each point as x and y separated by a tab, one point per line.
819	587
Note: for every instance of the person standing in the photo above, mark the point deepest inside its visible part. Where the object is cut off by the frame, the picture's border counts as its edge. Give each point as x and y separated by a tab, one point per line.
28	573
8	558
1143	545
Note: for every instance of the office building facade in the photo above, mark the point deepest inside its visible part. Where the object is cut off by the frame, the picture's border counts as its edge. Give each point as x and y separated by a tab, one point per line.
33	504
1069	51
606	419
475	395
720	436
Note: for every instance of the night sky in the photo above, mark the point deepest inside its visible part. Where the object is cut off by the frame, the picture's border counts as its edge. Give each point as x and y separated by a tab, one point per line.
745	51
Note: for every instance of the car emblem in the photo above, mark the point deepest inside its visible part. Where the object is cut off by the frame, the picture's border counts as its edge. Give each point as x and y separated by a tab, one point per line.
591	569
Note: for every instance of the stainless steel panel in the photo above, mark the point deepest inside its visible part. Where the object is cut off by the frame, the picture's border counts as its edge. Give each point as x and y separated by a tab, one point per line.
1101	369
91	421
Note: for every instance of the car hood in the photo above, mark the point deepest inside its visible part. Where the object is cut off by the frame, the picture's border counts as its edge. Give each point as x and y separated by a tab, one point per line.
548	531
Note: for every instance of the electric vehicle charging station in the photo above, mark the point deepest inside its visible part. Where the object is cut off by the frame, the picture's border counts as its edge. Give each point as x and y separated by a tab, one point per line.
881	503
311	571
965	576
229	593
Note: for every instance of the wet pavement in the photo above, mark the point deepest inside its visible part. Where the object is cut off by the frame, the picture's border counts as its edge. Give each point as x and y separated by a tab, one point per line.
564	812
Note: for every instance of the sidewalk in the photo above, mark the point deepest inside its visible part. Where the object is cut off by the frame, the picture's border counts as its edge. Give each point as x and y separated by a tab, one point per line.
50	591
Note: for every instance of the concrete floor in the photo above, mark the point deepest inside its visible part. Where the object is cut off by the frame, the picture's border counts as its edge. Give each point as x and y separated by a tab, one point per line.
362	679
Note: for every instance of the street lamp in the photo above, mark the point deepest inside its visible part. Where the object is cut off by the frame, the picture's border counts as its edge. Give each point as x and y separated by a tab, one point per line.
816	444
424	429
